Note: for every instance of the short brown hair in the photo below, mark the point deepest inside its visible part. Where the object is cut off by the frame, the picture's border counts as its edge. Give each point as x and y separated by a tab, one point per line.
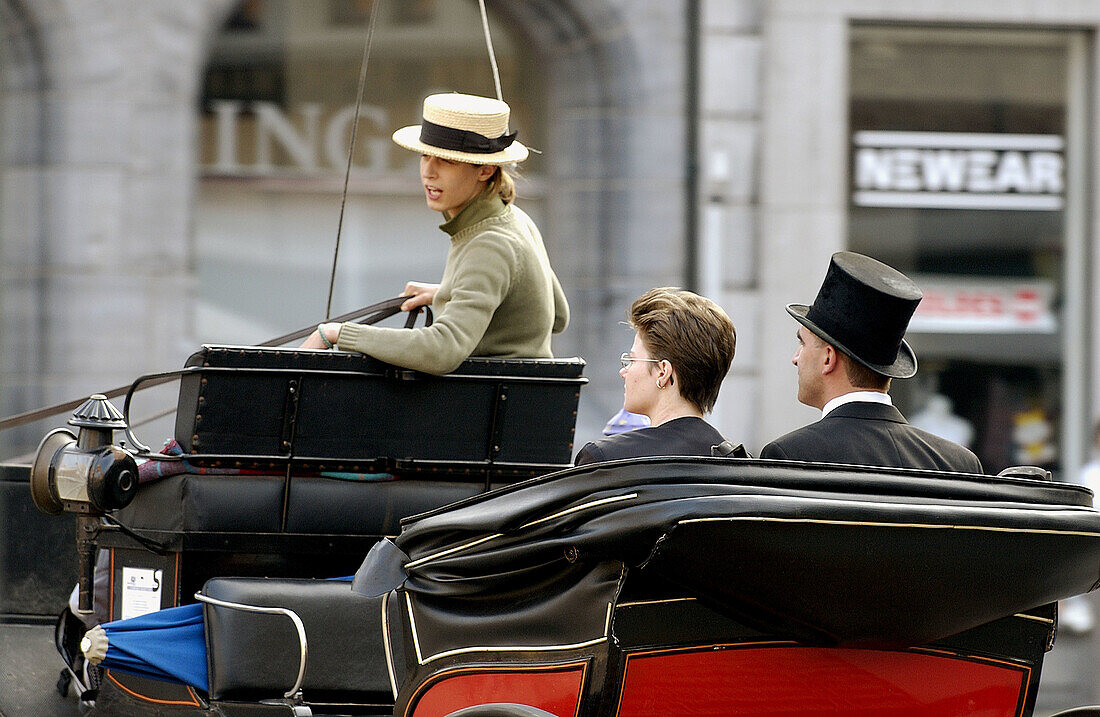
693	334
862	377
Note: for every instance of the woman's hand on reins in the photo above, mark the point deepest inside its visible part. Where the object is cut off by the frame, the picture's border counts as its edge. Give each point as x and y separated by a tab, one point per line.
420	295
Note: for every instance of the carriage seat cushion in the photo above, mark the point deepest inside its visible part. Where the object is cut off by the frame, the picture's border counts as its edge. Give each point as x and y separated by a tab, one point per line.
315	505
254	655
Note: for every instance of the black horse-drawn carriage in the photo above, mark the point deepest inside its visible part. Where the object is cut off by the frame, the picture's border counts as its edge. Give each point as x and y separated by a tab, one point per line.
500	581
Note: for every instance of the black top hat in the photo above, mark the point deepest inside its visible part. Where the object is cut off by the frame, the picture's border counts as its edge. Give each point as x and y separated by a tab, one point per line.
863	309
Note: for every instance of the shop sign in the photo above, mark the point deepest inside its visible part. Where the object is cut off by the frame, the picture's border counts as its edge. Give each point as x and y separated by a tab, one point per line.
984	306
311	140
958	170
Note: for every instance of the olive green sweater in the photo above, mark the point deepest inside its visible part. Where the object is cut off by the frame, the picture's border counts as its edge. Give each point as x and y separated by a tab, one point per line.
498	297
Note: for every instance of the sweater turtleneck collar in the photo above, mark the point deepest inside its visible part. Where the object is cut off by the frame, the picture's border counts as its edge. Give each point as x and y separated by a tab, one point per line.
482	207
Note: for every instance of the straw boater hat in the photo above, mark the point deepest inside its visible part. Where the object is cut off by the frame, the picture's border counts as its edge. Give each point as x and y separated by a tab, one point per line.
463	128
863	309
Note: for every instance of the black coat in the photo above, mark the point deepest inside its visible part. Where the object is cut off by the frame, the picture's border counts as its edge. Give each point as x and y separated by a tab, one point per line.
687	436
871	434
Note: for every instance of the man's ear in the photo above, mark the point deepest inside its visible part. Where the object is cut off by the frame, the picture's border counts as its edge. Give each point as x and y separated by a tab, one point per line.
831	361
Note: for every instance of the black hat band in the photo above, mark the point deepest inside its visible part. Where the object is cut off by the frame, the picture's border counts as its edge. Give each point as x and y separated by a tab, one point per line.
462	140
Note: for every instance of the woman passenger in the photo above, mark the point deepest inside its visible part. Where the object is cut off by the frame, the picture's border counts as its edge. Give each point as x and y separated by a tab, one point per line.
498	295
683	348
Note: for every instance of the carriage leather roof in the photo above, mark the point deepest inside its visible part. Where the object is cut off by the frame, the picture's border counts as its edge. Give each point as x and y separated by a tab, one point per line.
823	553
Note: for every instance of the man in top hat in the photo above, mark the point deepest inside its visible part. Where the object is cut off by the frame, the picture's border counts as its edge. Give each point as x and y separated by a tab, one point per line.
850	346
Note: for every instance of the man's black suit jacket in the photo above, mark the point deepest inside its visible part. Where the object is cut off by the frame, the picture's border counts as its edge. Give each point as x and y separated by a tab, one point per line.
687	436
871	434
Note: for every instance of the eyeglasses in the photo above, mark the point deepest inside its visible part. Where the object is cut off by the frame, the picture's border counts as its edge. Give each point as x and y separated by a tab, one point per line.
626	359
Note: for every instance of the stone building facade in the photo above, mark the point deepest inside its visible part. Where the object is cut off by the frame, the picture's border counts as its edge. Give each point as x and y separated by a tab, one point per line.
701	143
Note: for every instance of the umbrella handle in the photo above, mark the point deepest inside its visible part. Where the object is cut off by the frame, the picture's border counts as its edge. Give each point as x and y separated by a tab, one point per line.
95	644
298	625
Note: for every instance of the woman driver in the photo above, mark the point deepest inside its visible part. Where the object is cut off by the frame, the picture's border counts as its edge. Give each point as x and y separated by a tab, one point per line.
498	295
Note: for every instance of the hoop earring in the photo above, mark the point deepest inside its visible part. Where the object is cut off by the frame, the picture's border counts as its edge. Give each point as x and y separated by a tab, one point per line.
659	385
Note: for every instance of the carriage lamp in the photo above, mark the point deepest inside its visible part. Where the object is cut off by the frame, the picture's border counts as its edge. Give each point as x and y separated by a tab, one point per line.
85	474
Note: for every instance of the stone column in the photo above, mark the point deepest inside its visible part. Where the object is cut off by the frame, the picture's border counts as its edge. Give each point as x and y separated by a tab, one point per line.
729	151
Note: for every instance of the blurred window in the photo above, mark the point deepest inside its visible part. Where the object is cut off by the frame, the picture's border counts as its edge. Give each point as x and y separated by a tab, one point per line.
957	177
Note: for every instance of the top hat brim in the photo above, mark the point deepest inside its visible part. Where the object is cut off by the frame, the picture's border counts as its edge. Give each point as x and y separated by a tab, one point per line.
905	366
409	138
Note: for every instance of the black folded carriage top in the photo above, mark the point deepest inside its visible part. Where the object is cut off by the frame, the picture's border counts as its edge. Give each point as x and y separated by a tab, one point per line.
829	554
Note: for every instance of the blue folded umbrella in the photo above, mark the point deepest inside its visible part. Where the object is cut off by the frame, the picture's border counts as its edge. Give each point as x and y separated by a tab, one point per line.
168	645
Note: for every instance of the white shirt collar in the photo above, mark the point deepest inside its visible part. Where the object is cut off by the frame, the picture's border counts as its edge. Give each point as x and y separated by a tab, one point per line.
865	396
